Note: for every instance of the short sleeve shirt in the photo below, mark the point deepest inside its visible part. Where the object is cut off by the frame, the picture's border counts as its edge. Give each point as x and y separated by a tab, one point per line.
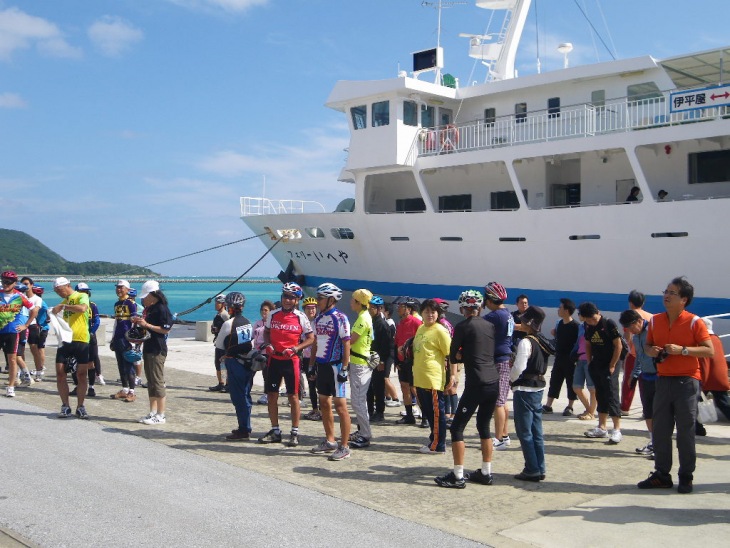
123	312
286	328
11	306
431	345
331	328
158	315
363	326
687	330
601	337
78	321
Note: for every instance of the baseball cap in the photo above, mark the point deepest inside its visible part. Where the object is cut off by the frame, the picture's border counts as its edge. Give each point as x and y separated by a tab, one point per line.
81	286
123	283
58	282
148	287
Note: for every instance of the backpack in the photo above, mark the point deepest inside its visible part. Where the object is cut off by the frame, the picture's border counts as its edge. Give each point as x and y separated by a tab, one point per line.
546	347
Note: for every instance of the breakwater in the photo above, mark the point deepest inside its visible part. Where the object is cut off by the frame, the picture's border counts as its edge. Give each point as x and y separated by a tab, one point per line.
44	278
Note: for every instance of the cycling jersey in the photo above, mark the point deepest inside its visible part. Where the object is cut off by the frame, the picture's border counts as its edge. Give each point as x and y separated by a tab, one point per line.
286	329
11	307
331	329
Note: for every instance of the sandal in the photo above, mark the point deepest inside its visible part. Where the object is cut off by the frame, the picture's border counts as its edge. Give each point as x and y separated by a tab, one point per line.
586	416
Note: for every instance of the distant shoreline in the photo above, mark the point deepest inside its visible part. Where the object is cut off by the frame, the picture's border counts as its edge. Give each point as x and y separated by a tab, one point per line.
161	279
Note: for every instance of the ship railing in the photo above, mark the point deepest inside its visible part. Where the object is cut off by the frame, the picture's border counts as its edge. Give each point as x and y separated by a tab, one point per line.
725	317
553	124
264	206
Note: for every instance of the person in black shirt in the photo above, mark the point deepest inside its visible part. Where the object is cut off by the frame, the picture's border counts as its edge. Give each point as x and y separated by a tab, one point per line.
603	351
473	345
383	344
566	334
522	303
157	320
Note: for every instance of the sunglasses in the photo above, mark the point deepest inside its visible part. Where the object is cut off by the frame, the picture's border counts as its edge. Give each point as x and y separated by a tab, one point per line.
6	281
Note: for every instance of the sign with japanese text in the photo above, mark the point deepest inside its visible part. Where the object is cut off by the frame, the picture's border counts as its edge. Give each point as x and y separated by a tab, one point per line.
700	98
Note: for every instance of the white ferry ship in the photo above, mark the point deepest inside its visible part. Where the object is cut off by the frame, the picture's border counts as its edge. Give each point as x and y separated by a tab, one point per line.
525	181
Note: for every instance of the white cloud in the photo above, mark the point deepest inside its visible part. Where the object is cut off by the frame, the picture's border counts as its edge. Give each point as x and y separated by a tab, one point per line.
230	6
19	31
12	100
113	36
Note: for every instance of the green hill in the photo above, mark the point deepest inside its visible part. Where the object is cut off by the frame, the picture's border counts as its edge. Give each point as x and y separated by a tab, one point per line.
25	254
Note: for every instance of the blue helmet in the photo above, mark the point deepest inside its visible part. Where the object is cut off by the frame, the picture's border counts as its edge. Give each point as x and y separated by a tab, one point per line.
377	301
132	292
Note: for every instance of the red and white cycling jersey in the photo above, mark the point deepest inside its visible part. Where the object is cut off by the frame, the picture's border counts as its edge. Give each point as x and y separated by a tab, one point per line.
286	329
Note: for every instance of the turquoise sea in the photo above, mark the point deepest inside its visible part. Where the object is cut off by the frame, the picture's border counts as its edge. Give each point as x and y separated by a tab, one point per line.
182	295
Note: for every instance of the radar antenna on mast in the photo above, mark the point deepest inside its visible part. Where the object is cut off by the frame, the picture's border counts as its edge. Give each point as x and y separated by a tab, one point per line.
439	6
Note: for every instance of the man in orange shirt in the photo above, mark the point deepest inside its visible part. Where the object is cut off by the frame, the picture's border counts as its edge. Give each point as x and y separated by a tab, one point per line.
676	339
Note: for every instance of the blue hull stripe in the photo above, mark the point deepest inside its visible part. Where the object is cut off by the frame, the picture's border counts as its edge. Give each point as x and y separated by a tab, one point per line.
608	302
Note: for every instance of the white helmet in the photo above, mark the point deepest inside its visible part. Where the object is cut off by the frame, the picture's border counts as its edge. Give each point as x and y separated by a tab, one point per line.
330	290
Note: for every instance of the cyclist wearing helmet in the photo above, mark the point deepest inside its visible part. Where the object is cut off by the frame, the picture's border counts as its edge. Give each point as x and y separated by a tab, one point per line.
309	305
383	345
75	309
495	294
329	363
287	331
31	335
361	336
11	324
405	330
473	344
124	310
234	342
220	318
43	327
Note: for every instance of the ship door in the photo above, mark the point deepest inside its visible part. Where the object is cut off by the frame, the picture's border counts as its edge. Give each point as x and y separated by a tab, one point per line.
565	195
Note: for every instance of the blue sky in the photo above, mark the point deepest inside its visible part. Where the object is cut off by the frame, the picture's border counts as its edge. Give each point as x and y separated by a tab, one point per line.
130	128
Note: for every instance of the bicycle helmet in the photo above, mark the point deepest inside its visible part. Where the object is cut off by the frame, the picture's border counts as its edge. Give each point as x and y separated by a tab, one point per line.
330	290
9	275
362	296
309	301
38	290
220	298
137	335
132	293
471	299
292	289
495	292
377	301
132	355
443	305
235	299
413	303
21	287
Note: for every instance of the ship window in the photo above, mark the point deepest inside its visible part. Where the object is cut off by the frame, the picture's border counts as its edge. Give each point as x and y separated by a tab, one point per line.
490	116
709	167
359	117
428	116
565	195
506	200
643	91
585	237
399	238
410	205
314	232
598	98
669	234
410	113
451	238
342	234
512	239
554	107
456	202
381	113
520	112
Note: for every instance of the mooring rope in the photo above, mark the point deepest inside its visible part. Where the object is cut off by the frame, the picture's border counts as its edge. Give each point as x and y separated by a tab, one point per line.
210	299
193	253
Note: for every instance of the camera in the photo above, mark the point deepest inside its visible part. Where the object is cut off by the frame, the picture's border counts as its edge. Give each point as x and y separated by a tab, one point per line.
661	357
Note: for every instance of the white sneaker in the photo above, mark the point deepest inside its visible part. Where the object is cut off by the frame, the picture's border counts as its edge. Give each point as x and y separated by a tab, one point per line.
137	381
25	380
148	416
616	437
416	412
100	380
393	403
154	420
501	445
10	392
596	433
38	375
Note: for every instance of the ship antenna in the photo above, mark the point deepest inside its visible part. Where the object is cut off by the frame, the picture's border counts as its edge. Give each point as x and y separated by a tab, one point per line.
439	6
